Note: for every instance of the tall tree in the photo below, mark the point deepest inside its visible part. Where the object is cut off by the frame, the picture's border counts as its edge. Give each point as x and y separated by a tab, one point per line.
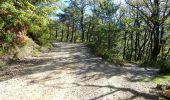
155	13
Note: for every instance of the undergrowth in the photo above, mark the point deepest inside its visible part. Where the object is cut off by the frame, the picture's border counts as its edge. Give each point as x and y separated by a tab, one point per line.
109	55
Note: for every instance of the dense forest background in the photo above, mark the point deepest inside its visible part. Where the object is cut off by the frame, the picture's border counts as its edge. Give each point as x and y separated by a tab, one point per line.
135	31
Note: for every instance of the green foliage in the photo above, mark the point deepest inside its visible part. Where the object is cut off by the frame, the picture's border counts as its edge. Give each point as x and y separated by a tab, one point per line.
40	26
36	52
2	63
110	55
41	34
165	79
1	52
160	79
14	16
9	37
164	67
20	18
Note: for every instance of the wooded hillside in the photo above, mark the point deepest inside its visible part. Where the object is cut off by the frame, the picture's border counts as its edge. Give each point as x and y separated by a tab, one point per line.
135	31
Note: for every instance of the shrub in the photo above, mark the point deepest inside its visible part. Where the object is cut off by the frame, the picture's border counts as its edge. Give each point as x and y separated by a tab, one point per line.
8	37
1	52
164	67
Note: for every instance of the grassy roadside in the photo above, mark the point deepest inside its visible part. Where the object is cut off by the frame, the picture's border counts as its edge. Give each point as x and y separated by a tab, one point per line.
160	79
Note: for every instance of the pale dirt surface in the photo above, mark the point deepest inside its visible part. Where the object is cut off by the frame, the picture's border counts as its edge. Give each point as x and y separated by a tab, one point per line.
71	72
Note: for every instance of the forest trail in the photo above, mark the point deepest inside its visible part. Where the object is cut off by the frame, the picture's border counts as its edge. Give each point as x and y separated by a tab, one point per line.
70	72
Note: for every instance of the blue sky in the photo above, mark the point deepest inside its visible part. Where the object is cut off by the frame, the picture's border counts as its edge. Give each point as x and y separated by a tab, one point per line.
116	1
65	3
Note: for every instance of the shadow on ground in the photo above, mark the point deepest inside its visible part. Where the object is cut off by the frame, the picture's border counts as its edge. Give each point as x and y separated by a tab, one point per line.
82	61
78	59
116	89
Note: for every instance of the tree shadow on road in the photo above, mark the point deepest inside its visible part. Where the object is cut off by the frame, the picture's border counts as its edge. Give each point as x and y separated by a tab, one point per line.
78	59
135	93
57	59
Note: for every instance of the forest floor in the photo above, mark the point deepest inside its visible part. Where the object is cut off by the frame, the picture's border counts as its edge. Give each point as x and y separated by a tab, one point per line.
70	72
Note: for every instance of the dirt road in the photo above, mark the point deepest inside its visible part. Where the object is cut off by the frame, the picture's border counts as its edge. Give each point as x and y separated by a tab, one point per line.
71	72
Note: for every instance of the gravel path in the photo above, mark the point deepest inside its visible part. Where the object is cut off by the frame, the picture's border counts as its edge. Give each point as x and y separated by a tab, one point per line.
70	72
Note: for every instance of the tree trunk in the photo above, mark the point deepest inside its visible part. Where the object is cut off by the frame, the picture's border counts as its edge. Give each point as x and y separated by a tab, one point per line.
88	32
62	34
82	25
56	34
156	50
68	30
124	49
109	36
131	54
72	35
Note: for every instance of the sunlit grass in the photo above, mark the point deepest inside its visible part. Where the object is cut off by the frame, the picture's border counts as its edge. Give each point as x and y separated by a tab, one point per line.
1	52
165	79
161	79
2	63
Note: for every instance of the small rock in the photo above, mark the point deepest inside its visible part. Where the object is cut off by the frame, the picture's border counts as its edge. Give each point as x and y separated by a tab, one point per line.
166	93
162	87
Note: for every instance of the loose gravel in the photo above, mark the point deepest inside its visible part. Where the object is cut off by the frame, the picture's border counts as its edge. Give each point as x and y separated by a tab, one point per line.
70	72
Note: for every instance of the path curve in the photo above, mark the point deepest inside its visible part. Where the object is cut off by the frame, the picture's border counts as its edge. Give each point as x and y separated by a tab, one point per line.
70	72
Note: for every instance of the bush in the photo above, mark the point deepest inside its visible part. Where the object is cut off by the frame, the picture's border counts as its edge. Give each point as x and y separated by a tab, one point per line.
108	54
164	67
7	37
112	55
41	35
2	63
1	52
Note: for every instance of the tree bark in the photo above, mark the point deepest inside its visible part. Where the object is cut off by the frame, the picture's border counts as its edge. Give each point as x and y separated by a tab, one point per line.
62	34
82	25
156	50
124	49
72	35
68	30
